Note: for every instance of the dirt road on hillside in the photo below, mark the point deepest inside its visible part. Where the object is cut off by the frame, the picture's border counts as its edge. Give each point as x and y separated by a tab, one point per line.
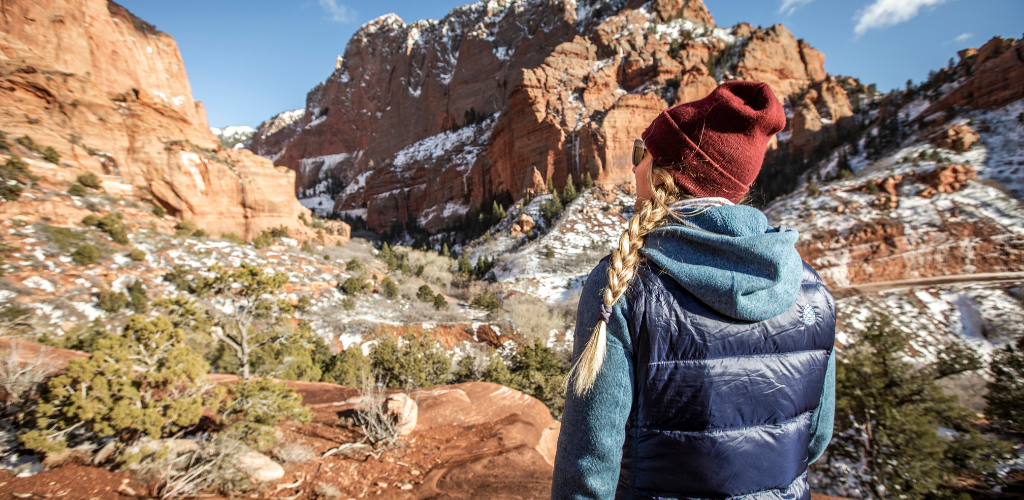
882	286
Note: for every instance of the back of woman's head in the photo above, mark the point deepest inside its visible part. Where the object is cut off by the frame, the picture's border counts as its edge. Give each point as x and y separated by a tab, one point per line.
712	147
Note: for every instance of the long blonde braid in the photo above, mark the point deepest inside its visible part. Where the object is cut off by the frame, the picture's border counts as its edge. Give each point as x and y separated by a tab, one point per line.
622	270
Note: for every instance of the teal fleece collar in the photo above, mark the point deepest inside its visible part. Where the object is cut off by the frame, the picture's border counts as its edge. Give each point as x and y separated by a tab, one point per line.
729	258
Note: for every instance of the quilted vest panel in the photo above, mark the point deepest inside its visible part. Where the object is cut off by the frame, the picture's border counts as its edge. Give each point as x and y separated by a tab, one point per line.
722	407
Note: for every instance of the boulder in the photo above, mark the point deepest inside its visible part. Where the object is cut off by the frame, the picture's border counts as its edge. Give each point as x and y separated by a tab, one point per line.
404	410
260	467
957	138
526	223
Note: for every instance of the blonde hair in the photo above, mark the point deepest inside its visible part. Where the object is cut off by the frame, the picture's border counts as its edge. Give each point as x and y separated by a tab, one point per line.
622	269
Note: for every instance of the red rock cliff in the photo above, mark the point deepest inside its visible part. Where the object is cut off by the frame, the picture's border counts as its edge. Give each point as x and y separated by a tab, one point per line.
109	92
398	131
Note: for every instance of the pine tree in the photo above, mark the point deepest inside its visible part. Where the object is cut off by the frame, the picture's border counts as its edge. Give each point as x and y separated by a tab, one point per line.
888	414
588	182
551	186
444	250
569	194
1006	390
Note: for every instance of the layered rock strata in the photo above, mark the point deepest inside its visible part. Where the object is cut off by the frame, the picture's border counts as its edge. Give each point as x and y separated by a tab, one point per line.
109	93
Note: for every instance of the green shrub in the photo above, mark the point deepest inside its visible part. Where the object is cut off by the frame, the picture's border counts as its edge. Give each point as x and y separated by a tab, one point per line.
306	247
85	255
254	407
137	298
440	303
354	266
548	252
356	285
412	362
77	190
348	367
159	211
14	173
551	208
137	255
113	225
90	220
146	383
89	180
536	370
425	294
51	155
486	300
233	238
465	370
390	288
812	188
348	303
188	229
111	301
296	354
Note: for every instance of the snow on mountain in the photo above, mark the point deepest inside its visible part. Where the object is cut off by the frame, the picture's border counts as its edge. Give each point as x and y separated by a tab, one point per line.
234	137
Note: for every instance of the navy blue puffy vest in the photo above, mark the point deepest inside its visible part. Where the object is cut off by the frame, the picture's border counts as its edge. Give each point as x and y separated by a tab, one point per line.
722	407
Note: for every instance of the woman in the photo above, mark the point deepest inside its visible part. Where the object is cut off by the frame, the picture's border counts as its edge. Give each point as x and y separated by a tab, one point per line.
703	362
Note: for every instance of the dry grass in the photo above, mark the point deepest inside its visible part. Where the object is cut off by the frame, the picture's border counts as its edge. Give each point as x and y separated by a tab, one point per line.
328	491
294	451
21	378
380	428
357	248
535	319
437	270
212	466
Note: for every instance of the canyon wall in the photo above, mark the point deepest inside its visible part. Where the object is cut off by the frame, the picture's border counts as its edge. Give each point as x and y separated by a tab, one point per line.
109	92
431	120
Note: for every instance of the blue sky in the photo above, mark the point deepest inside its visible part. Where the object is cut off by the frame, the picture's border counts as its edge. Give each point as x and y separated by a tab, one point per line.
249	60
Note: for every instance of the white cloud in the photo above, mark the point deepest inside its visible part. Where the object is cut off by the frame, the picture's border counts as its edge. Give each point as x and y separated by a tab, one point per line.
885	13
338	13
788	6
961	38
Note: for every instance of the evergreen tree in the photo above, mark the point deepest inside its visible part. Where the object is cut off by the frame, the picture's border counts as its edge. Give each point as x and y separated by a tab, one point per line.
464	267
569	194
1006	390
888	414
551	186
588	182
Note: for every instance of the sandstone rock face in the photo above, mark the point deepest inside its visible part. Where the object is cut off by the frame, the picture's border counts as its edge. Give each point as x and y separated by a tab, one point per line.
432	120
862	233
774	56
823	113
995	77
109	92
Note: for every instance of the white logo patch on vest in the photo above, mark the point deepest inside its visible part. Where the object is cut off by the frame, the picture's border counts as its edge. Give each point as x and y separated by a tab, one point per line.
809	316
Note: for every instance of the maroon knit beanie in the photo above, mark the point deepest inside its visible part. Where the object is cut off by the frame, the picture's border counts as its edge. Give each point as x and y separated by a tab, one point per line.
715	146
